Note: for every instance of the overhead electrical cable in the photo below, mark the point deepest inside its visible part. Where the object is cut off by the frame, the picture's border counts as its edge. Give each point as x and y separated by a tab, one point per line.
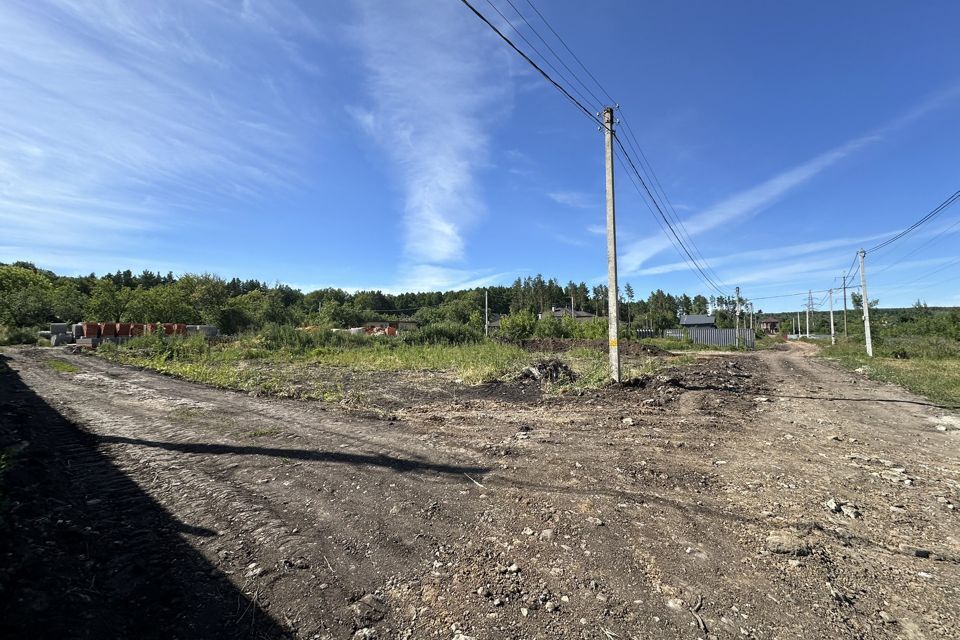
943	206
572	73
632	142
932	240
680	238
570	51
533	64
543	58
705	277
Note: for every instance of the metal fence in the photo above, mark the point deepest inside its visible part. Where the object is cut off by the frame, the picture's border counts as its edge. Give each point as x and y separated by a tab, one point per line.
721	337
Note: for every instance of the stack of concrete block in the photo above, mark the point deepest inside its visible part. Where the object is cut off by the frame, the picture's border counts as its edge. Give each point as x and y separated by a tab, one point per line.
59	333
78	330
208	330
59	339
88	342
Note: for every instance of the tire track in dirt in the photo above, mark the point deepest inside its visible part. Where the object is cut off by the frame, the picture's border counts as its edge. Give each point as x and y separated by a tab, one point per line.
659	501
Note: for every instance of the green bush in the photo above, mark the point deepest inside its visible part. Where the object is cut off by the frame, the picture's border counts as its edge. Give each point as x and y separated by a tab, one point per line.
551	327
289	338
443	333
518	326
18	335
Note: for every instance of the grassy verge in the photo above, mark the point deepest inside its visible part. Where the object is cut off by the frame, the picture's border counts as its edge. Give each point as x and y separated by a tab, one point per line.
248	364
323	371
937	378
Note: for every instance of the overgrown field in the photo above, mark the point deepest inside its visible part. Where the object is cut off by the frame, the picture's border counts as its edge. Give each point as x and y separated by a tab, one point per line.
324	365
928	365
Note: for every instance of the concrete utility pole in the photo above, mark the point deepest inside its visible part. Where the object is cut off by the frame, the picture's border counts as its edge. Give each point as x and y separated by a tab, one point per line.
866	305
486	313
809	304
613	328
737	330
798	325
844	306
833	336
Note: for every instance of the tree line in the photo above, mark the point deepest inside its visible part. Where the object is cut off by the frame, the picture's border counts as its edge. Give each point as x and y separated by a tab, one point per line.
31	296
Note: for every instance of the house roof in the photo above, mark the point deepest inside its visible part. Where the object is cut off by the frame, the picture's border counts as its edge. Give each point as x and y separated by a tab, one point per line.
696	319
560	312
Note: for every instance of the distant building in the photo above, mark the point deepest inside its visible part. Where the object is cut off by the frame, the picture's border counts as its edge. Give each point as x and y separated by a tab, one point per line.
697	320
564	312
770	325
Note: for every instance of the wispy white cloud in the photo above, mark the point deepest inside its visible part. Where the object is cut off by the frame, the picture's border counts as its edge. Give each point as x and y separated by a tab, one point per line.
576	199
426	277
752	201
119	120
437	82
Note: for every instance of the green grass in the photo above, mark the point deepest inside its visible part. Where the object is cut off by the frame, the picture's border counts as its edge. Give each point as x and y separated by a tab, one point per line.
918	369
299	368
62	366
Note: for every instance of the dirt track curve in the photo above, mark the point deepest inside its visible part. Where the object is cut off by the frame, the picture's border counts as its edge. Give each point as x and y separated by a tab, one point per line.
766	495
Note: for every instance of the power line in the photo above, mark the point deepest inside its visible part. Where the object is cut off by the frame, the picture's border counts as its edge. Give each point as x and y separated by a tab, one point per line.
537	51
682	246
572	73
632	141
658	188
943	206
705	277
533	64
570	51
932	240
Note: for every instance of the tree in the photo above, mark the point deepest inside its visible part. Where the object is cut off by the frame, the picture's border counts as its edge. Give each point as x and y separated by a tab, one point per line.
24	296
628	291
699	305
107	302
67	302
857	300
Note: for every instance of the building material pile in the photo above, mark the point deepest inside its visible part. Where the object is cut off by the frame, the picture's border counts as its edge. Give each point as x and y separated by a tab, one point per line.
93	334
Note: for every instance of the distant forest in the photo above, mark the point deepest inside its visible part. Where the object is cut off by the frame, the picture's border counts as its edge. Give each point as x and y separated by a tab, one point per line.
30	296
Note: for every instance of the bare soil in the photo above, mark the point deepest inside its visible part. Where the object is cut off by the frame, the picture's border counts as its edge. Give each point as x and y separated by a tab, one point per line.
764	495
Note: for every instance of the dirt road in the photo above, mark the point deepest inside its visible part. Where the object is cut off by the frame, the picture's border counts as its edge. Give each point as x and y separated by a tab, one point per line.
766	495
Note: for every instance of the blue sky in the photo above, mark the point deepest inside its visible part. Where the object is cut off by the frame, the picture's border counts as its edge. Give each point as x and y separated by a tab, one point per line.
400	145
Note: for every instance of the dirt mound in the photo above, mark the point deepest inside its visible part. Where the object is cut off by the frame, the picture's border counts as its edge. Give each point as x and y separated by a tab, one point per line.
549	370
559	345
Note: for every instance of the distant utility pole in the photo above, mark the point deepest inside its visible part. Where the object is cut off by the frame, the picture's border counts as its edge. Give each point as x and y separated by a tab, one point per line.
845	306
486	313
809	304
833	336
737	330
866	304
798	325
613	328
